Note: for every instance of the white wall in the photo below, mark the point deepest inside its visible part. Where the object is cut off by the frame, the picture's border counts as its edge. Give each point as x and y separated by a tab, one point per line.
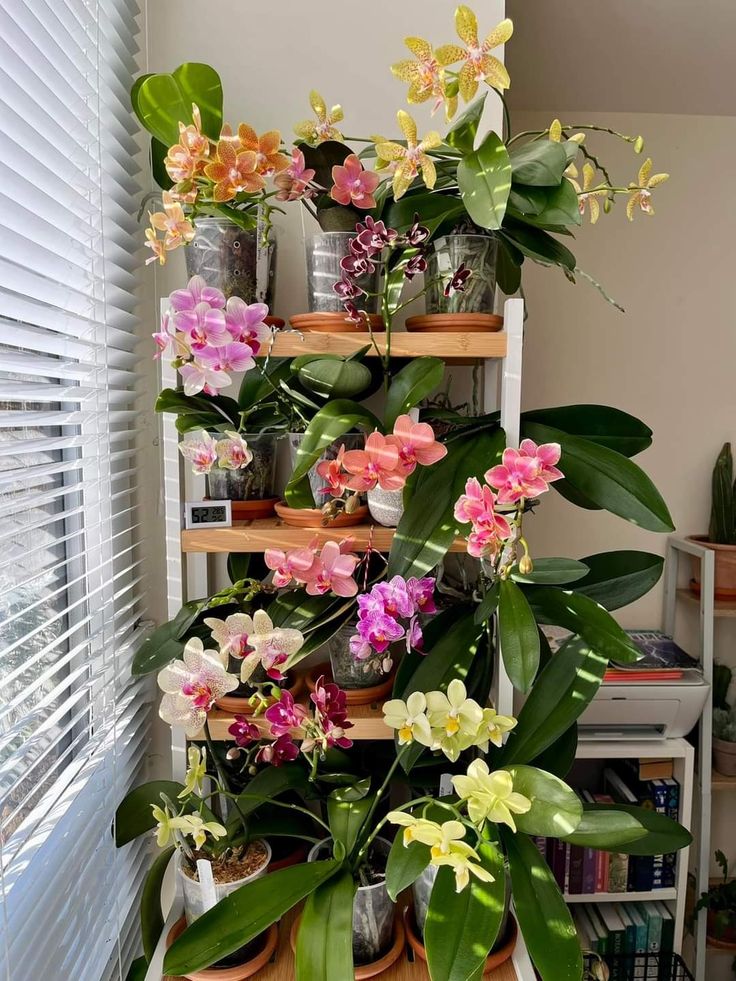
670	358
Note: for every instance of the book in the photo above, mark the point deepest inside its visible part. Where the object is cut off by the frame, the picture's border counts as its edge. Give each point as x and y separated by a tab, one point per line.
654	935
618	865
589	870
541	842
640	942
616	938
597	932
629	939
656	769
584	929
575	870
672	810
659	652
602	859
667	941
560	863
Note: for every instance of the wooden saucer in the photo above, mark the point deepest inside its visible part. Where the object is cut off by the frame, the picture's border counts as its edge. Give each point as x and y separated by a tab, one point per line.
353	696
335	323
364	971
313	517
455	323
240	971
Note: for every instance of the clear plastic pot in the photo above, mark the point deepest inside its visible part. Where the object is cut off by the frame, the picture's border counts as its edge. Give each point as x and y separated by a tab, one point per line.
351	441
347	671
252	483
446	254
324	252
194	905
232	259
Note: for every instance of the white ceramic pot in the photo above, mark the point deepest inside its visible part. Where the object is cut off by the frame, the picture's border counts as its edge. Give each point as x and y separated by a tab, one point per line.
386	507
194	905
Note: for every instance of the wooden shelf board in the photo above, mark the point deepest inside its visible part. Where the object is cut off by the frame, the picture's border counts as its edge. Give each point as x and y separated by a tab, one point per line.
719	781
457	348
367	724
282	967
621	897
721	608
263	533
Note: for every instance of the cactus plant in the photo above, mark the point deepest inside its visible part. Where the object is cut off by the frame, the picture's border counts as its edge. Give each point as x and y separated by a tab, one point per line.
722	529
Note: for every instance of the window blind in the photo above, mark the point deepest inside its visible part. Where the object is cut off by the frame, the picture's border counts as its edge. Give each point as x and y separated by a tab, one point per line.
73	724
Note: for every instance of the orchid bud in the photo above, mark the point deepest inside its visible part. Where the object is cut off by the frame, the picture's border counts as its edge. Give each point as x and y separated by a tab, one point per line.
252	770
638	144
233	754
599	970
352	504
607	205
525	565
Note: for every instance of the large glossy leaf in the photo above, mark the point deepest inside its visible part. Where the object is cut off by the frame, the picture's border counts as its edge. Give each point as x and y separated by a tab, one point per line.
538	244
618	578
560	756
335	379
152	920
518	636
463	131
489	604
324	947
414	382
508	267
484	178
328	425
161	106
322	158
556	809
543	915
137	970
347	809
627	829
599	423
165	644
584	617
607	478
462	927
405	864
552	572
428	525
242	915
559	207
562	691
200	84
432	209
540	163
133	816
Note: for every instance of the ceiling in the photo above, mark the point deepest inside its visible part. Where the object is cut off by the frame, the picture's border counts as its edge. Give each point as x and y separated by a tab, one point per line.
659	56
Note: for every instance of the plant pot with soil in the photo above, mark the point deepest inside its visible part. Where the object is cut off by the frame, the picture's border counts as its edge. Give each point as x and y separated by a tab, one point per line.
724	741
344	508
721	537
237	262
720	902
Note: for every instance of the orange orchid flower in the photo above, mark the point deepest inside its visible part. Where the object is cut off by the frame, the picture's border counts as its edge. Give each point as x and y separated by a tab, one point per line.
233	172
266	148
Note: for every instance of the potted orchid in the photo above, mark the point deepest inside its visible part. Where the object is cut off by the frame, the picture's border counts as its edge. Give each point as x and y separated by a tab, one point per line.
214	182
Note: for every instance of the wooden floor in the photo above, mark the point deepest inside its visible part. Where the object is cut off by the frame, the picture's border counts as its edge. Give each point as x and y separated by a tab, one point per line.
282	968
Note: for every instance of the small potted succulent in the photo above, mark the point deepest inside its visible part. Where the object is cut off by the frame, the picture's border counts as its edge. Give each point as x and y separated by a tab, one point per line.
213	182
721	537
720	901
724	741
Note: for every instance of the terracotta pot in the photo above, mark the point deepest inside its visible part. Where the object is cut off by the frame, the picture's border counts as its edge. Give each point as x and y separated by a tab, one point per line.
238	704
313	517
725	568
252	510
720	935
240	971
724	757
335	323
353	696
276	322
455	323
376	967
498	956
294	857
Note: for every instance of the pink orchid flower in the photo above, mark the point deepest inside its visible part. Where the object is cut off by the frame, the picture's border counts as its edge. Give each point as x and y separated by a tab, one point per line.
333	571
163	338
292	182
526	472
332	471
477	505
375	465
545	457
484	543
416	444
246	322
234	356
354	185
202	378
191	686
287	566
204	326
197	291
285	715
200	450
233	452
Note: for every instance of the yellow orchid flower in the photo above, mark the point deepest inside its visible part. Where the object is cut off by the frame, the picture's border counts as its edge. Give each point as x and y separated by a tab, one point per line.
411	158
479	64
316	132
415	829
454	719
166	825
196	773
642	195
490	796
587	197
425	76
409	719
446	846
555	135
492	728
195	826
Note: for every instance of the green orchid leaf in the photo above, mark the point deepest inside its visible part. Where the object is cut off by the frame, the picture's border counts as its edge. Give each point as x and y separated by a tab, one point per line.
584	617
165	643
161	106
560	208
565	686
428	526
630	830
416	381
134	817
556	809
200	84
347	809
405	864
242	915
489	604
484	179
152	920
433	209
540	163
327	426
324	947
543	915
137	970
552	572
518	636
462	927
560	756
269	784
616	579
335	379
607	478
537	244
322	158
601	424
463	131
508	267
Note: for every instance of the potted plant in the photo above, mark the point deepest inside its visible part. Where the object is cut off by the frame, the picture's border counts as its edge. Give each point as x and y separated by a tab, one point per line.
237	468
720	901
724	741
721	537
214	182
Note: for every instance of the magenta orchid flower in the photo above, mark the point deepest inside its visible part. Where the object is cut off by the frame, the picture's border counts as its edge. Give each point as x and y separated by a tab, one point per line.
288	566
333	572
421	593
204	326
197	291
379	630
416	444
234	356
243	731
285	715
353	184
246	322
375	465
393	597
282	750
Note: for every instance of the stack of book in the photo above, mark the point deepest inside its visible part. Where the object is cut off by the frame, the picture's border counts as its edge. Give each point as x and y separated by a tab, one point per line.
620	930
661	658
585	871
